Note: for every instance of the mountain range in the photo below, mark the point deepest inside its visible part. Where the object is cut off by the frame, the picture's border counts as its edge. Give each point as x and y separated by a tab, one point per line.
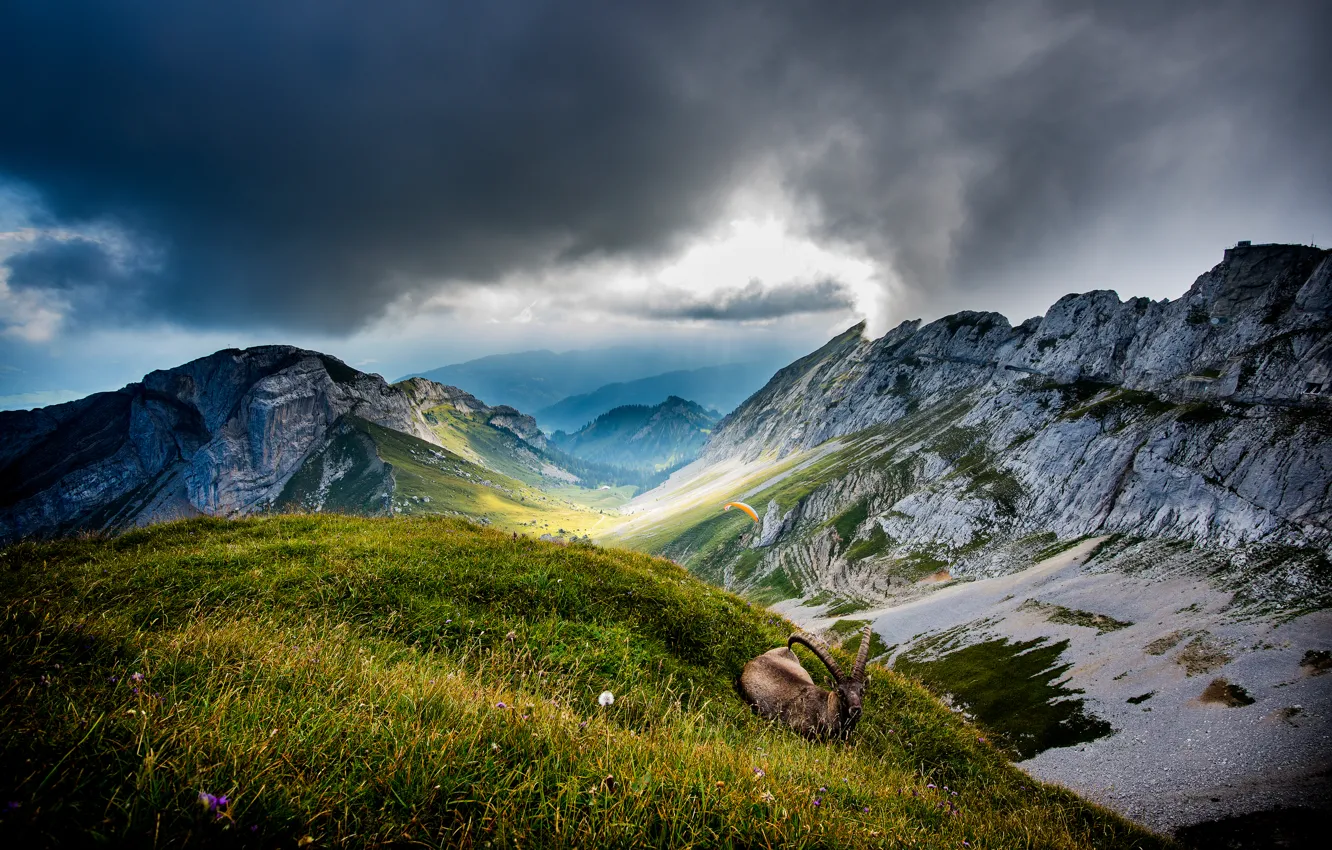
715	387
538	380
642	436
275	428
1106	532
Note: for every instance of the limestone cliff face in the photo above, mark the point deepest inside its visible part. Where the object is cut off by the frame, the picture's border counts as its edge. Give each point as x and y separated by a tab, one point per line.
1254	329
220	435
1202	419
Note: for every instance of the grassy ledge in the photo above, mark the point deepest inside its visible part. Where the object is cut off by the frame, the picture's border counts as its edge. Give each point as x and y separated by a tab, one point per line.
426	682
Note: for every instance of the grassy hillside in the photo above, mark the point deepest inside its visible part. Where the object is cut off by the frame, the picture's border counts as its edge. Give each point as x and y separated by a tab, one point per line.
389	472
424	681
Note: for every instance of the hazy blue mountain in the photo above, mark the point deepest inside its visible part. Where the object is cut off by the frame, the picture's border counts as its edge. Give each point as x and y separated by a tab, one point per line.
533	380
529	380
642	436
716	387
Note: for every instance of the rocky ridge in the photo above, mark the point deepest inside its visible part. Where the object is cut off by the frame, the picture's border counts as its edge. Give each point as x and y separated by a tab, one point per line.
220	436
1204	419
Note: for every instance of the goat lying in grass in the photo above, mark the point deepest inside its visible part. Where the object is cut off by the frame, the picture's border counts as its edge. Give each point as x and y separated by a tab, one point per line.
778	688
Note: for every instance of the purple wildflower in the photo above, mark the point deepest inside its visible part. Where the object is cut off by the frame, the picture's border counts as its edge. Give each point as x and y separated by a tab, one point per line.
865	810
112	679
12	805
758	773
134	690
931	785
254	827
137	677
213	803
818	801
500	705
821	789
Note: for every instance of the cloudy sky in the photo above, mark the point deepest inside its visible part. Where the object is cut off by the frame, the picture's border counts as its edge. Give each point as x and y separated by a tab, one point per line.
415	183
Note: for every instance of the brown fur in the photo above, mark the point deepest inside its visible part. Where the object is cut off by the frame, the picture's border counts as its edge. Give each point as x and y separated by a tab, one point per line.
777	687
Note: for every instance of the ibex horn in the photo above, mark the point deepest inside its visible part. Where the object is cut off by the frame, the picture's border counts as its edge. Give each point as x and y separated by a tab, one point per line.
820	649
858	674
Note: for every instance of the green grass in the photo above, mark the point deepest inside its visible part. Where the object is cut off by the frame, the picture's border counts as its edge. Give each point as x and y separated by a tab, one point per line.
1075	617
868	548
474	438
596	500
1053	546
849	520
1016	688
403	681
847	605
775	587
1122	402
844	630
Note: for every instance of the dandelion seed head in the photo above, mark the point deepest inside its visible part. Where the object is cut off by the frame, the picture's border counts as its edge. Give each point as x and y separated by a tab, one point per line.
606	698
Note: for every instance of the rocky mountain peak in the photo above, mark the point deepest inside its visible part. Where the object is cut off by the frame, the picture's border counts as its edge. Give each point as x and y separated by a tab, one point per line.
219	435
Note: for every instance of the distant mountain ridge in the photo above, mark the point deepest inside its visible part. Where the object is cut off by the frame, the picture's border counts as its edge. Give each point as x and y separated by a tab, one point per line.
719	388
643	437
533	380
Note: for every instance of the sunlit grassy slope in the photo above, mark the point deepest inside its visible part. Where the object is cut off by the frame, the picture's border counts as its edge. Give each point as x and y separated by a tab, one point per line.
423	681
706	539
393	472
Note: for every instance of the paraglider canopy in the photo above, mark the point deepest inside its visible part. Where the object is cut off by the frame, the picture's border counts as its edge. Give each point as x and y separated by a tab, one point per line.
753	514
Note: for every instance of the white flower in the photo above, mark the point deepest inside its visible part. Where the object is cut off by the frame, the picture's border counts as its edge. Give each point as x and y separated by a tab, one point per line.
606	698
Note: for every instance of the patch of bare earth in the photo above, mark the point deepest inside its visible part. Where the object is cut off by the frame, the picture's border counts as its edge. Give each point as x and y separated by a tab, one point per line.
1222	692
1162	645
1316	662
1202	656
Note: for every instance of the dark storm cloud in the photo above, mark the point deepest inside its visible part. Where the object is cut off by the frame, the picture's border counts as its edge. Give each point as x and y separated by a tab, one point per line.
62	265
752	302
302	164
84	275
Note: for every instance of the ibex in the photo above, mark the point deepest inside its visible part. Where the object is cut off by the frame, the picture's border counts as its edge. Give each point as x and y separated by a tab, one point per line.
778	688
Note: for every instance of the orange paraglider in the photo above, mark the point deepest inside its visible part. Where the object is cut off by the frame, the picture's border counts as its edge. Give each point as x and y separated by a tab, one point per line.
753	514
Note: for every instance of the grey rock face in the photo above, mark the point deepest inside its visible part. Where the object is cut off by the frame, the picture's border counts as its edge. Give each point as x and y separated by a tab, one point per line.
426	394
1203	419
220	435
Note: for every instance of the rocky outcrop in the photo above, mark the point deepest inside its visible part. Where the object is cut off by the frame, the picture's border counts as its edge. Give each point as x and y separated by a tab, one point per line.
1203	419
221	435
426	394
1253	330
